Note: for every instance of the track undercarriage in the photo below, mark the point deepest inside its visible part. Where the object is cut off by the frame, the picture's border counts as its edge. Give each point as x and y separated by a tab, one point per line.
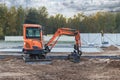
74	57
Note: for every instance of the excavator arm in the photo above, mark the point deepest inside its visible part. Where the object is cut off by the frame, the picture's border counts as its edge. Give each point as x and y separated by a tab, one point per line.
64	31
68	32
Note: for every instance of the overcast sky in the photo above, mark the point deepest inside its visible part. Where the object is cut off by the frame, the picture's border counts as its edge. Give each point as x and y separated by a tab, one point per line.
69	7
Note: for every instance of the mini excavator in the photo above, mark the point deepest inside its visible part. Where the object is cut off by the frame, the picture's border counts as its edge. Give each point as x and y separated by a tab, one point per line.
34	48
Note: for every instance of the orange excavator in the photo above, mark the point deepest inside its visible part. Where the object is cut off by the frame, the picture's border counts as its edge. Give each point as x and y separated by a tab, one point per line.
34	49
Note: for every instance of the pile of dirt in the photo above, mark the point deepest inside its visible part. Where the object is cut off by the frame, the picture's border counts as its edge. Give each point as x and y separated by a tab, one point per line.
114	64
112	47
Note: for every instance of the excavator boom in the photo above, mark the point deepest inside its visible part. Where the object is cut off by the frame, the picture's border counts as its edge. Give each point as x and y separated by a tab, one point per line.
65	31
69	32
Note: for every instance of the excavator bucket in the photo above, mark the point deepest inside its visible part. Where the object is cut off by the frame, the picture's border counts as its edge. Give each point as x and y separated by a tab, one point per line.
75	56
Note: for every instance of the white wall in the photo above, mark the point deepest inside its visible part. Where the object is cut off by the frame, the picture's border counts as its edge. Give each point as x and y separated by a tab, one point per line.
13	38
86	38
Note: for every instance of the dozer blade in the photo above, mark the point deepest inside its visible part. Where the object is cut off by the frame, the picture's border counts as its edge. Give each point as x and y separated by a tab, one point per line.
36	60
39	61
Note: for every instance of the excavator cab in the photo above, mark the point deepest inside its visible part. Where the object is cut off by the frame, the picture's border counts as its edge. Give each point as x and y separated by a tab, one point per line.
32	37
33	48
33	44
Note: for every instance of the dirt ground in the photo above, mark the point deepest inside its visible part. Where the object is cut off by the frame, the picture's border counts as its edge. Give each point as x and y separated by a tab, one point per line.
12	68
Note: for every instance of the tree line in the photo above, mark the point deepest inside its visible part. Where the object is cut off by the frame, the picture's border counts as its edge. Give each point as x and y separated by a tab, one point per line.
12	20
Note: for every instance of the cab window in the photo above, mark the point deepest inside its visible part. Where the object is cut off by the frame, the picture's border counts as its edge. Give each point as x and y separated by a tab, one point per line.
33	32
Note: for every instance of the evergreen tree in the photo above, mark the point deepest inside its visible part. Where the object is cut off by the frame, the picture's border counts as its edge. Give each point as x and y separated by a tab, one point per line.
20	20
32	17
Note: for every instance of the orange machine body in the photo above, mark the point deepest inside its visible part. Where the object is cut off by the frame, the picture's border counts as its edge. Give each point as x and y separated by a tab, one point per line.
33	41
32	35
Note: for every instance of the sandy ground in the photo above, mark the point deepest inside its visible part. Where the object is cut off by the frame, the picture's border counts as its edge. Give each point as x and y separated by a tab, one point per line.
12	68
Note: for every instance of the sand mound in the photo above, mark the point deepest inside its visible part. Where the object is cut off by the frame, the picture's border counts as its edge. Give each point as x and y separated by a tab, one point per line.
112	47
